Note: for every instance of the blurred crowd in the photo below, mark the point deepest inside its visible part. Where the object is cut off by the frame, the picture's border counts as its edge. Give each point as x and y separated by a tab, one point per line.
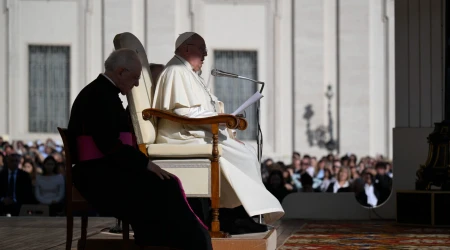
369	178
32	174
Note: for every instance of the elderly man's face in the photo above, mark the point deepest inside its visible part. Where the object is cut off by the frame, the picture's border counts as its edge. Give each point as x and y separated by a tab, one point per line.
197	52
129	77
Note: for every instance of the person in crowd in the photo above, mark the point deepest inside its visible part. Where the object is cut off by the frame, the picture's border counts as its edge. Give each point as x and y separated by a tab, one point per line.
15	187
29	167
372	193
50	187
319	170
342	183
360	192
383	182
277	186
307	183
327	179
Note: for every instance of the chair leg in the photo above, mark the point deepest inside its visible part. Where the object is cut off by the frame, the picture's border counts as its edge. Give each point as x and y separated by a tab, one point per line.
84	223
125	233
69	231
215	224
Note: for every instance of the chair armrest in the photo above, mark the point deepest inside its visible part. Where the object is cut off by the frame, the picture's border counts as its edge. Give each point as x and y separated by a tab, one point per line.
231	121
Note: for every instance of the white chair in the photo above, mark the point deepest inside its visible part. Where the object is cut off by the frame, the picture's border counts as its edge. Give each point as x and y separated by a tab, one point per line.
197	166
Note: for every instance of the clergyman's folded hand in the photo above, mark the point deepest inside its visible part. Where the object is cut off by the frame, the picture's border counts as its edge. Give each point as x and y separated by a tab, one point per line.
163	174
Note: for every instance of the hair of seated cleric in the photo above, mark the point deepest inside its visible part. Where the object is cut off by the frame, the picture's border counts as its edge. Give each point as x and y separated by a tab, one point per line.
120	58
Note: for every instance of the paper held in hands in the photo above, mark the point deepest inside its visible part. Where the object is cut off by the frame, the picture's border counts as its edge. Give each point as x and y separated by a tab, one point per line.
254	98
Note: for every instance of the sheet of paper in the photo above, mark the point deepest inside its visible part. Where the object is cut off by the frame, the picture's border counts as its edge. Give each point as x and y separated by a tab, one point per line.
254	98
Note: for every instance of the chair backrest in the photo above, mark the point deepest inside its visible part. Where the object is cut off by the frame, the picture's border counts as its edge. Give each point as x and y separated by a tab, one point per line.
68	159
140	97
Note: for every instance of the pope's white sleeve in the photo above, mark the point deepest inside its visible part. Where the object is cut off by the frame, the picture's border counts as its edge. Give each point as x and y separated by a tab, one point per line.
194	112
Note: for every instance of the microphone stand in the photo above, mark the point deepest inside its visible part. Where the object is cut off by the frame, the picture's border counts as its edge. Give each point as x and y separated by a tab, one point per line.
248	79
259	136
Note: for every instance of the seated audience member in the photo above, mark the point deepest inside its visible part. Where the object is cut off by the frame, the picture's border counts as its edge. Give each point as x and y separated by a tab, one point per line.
319	171
29	167
383	182
327	179
342	183
8	148
307	183
266	167
276	185
370	189
360	193
15	186
50	187
353	171
291	180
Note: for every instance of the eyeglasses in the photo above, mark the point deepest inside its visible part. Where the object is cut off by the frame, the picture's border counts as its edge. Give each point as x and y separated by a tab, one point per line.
203	49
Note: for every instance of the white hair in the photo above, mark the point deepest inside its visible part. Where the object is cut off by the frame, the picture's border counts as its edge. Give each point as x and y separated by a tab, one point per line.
121	58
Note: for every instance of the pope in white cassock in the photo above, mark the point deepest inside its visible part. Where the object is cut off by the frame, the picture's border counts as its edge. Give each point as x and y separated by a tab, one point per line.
181	89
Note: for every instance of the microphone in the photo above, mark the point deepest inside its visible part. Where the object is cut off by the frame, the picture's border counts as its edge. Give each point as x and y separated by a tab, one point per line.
216	72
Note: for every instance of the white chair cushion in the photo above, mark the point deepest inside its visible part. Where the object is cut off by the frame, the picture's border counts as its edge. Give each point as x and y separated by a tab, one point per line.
194	174
181	151
140	97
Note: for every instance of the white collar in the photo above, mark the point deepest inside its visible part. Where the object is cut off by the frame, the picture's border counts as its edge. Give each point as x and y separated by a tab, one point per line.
337	185
109	79
371	198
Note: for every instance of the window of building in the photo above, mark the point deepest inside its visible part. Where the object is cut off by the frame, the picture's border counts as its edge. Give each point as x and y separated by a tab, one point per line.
49	88
232	91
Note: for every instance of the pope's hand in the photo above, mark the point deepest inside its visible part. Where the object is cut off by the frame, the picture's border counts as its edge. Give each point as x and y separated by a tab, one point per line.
158	171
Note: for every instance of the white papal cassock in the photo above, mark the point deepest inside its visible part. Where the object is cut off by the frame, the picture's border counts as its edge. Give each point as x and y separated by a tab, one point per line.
182	91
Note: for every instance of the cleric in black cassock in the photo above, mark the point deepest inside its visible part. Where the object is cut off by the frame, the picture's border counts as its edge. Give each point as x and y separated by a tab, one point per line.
123	182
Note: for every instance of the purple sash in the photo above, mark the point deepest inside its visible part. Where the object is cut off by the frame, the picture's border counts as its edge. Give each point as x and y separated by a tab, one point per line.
87	150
